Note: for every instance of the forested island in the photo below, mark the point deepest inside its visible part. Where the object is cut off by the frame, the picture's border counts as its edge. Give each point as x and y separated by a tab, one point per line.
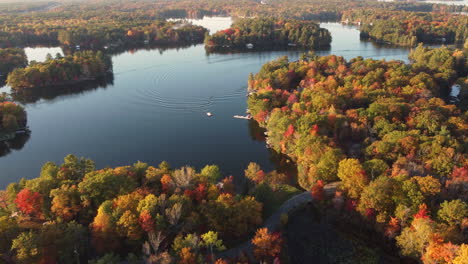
79	67
269	32
380	129
409	28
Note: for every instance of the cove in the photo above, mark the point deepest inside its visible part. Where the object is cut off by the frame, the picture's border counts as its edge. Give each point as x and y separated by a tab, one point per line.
154	108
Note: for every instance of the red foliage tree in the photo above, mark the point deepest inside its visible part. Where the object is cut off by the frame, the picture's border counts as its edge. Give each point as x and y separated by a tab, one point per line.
228	31
331	119
460	173
146	221
422	213
29	202
350	205
457	183
289	132
261	116
315	129
189	193
292	99
166	183
200	192
260	176
392	228
317	191
370	214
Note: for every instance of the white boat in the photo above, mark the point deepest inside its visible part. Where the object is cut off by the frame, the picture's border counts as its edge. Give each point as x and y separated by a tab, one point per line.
209	114
249	46
243	117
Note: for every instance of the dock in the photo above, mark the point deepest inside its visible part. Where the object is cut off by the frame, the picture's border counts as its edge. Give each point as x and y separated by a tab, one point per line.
12	135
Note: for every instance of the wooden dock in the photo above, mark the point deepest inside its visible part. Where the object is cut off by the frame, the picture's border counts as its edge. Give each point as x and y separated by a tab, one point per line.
12	135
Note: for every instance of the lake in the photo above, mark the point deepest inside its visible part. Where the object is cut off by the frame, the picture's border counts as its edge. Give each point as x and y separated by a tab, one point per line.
155	107
463	2
450	2
40	53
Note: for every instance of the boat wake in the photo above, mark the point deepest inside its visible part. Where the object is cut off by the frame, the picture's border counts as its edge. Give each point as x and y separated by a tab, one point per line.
154	95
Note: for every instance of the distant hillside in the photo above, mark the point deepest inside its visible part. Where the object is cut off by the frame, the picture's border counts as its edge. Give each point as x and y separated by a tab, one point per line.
22	7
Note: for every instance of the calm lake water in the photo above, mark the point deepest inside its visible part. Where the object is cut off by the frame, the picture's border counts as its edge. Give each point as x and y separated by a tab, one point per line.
40	54
463	2
460	2
155	109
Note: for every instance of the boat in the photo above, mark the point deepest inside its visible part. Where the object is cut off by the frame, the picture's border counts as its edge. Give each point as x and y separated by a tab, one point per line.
23	130
12	135
209	114
249	46
243	117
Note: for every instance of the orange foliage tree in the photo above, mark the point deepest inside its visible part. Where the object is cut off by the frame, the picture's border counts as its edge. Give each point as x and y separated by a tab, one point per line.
267	245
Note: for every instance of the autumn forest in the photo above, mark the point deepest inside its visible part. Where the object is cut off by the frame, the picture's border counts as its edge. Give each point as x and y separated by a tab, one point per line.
369	153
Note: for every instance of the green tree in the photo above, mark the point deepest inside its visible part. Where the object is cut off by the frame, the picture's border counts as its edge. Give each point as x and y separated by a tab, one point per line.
191	241
100	186
149	204
9	230
211	173
453	212
26	247
140	169
375	168
353	176
378	196
164	166
414	239
210	241
128	226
